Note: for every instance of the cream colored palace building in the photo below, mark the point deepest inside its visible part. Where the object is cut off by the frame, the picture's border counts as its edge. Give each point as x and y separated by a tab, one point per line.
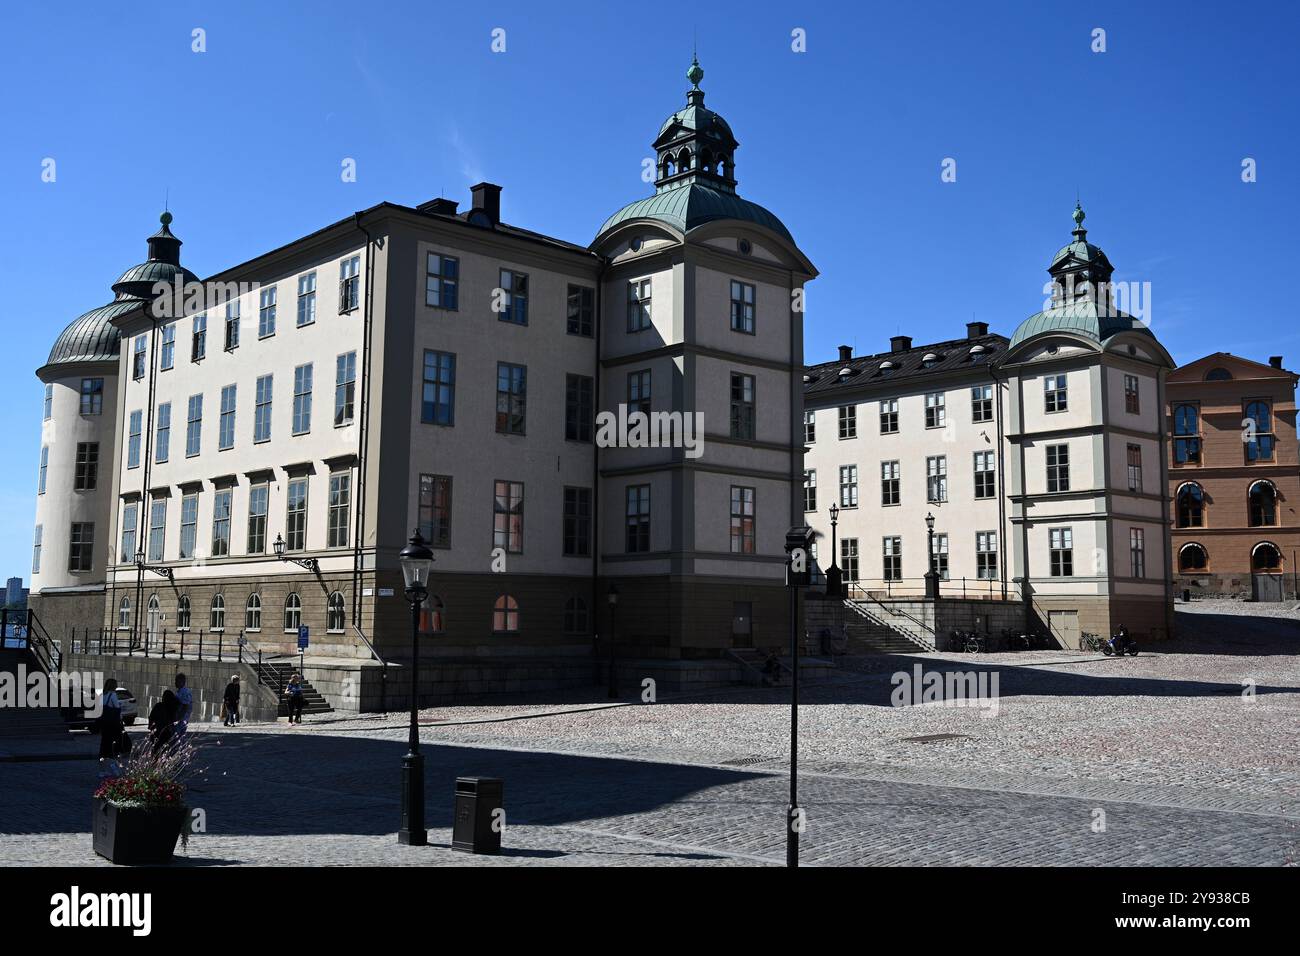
426	366
1040	457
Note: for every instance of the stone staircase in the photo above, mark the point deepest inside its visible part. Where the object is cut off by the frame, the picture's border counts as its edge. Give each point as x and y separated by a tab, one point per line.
882	630
276	674
27	721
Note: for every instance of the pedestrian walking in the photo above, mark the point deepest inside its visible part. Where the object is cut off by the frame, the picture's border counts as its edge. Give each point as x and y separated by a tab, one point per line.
294	693
162	720
230	702
109	722
185	709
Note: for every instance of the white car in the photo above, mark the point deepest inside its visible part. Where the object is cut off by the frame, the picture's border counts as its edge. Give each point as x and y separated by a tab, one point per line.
130	710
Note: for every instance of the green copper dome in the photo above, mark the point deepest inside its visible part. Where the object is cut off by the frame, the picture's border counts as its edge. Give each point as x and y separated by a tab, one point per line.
91	337
694	204
1082	318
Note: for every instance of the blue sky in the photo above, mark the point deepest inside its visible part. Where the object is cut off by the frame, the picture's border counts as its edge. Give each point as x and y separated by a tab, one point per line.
844	142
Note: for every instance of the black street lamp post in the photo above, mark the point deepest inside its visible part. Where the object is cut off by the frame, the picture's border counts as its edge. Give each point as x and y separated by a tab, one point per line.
834	586
798	574
932	575
417	561
612	597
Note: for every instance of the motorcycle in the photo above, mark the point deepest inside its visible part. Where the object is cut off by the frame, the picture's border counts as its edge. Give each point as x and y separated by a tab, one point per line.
1121	643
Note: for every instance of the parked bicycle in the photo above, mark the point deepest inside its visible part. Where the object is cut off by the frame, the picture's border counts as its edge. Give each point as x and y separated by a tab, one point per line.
1012	641
1090	642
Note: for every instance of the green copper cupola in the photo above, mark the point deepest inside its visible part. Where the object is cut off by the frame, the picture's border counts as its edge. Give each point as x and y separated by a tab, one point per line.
695	144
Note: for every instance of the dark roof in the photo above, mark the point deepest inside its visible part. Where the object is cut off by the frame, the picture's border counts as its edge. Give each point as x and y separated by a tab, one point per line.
951	356
91	337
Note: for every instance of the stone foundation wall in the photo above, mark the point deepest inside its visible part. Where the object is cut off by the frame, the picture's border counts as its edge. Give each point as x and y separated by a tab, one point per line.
147	678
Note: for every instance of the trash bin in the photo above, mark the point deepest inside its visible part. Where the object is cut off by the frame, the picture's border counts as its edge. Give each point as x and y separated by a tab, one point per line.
477	799
1187	595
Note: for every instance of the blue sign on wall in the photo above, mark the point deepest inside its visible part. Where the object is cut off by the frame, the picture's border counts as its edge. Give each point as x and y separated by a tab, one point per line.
302	638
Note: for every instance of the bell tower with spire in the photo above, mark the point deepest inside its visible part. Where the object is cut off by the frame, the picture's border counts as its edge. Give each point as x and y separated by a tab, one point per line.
695	144
1080	270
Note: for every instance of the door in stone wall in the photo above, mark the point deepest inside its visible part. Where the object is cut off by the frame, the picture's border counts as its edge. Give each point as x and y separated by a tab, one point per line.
1065	627
1266	587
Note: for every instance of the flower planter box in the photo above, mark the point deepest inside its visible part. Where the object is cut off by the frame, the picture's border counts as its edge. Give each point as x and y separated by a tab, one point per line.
135	836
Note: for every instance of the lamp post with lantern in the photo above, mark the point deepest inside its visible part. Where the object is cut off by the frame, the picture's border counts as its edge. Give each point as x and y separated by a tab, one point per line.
932	575
834	579
417	561
612	598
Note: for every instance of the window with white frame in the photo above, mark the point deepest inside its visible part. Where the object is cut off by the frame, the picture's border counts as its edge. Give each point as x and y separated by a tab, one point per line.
1055	394
1058	467
936	410
936	478
1061	545
848	486
986	555
890	483
981	403
306	299
848	421
984	474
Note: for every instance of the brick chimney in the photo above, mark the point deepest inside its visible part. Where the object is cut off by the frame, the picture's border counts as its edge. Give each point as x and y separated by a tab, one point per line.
846	352
900	343
487	198
975	330
1275	361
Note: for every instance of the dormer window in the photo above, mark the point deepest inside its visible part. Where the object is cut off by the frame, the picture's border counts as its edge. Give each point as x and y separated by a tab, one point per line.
978	353
846	371
929	360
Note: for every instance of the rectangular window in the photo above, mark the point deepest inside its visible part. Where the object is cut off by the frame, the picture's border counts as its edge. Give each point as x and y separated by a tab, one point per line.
193	425
262	409
1061	542
349	284
1058	467
638	391
512	398
163	434
848	486
579	407
809	427
637	518
137	358
936	411
1187	434
638	305
984	474
306	299
1135	468
742	520
1137	552
742	307
936	478
226	426
986	555
1055	398
340	509
258	499
438	405
168	357
742	406
87	473
1257	433
189	526
810	490
199	338
49	403
582	310
1132	404
157	528
81	546
345	388
849	558
888	416
130	514
302	376
92	396
295	525
508	516
981	403
133	439
435	510
221	522
266	302
232	325
44	469
36	548
892	558
939	555
442	282
514	297
890	483
848	421
577	522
